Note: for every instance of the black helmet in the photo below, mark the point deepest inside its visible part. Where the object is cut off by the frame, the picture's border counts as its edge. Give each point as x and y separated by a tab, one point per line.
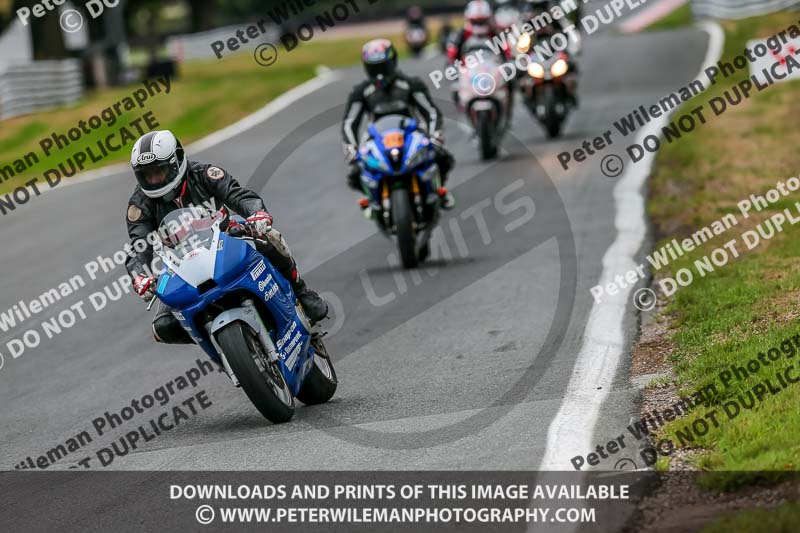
158	150
380	61
535	7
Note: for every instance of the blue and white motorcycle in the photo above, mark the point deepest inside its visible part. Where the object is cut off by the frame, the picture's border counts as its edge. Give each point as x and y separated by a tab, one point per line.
402	183
242	313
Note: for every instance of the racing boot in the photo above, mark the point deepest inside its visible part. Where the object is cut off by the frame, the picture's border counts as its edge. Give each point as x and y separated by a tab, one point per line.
314	306
446	199
446	162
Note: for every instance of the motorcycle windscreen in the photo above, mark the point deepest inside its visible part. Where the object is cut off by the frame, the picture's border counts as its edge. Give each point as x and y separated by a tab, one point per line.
189	239
390	123
481	78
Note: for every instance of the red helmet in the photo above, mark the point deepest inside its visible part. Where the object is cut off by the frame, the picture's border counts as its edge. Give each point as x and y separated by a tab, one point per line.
478	17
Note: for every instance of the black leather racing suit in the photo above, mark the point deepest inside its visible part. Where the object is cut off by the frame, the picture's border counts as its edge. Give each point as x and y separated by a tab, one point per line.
203	182
405	95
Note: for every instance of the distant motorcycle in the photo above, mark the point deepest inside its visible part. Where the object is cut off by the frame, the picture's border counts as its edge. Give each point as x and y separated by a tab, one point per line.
416	38
242	313
484	95
547	87
403	186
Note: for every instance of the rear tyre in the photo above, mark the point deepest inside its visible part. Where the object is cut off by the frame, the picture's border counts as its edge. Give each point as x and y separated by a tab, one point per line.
404	226
487	135
260	378
321	382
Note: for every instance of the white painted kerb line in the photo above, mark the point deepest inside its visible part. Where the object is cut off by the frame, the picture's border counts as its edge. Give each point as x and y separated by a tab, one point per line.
572	429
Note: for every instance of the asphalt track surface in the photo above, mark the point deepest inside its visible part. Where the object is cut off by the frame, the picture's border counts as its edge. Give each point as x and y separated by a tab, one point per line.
463	370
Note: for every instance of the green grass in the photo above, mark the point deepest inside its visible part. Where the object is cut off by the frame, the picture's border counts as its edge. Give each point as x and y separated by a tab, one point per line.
752	303
783	519
679	18
657	383
207	96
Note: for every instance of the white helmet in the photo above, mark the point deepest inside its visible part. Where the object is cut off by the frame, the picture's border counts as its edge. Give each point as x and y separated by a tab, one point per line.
158	149
478	17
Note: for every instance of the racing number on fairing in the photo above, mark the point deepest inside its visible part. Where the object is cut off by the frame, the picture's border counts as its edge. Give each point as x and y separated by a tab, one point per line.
393	140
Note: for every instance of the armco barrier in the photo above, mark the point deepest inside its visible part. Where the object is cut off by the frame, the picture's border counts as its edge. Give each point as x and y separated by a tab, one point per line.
739	9
38	85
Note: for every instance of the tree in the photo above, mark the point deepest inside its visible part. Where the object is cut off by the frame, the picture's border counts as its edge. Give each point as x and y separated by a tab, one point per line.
46	34
204	15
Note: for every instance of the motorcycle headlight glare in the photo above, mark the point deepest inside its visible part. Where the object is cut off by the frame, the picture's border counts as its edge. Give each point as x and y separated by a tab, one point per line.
559	68
524	43
535	70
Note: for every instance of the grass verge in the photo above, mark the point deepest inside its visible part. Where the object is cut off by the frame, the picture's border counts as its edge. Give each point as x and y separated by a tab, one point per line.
750	304
680	18
783	519
208	96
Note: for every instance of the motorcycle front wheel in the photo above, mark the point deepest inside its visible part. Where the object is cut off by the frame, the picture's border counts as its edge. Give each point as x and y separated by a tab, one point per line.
486	134
403	217
552	120
260	378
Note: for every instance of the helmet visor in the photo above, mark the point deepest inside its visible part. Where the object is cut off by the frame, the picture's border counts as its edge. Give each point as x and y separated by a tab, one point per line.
156	175
382	70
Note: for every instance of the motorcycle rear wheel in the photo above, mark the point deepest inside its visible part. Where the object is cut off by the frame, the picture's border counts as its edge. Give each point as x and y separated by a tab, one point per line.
261	379
403	217
321	382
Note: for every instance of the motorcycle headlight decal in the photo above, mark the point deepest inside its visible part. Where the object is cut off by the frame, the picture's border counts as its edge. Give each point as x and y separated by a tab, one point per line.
559	68
536	70
376	162
417	154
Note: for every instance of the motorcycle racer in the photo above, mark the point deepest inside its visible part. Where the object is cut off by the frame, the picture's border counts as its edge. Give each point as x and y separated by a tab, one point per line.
388	91
478	23
538	8
167	180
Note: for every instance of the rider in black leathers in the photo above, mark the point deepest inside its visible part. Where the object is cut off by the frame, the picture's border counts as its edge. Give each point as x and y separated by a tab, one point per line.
167	181
388	92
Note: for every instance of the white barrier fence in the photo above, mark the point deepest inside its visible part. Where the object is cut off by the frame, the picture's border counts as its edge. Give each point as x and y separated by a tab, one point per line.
33	86
739	9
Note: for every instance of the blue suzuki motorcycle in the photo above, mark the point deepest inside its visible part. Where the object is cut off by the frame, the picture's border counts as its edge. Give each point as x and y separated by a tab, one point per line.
402	184
242	313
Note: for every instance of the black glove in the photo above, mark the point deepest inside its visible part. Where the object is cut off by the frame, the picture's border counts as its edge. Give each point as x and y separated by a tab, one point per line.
354	177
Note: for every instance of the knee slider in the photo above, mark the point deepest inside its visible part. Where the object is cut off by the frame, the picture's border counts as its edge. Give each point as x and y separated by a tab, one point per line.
168	330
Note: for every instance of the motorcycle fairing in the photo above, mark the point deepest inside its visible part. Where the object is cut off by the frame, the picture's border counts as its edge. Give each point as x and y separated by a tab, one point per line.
377	163
239	267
